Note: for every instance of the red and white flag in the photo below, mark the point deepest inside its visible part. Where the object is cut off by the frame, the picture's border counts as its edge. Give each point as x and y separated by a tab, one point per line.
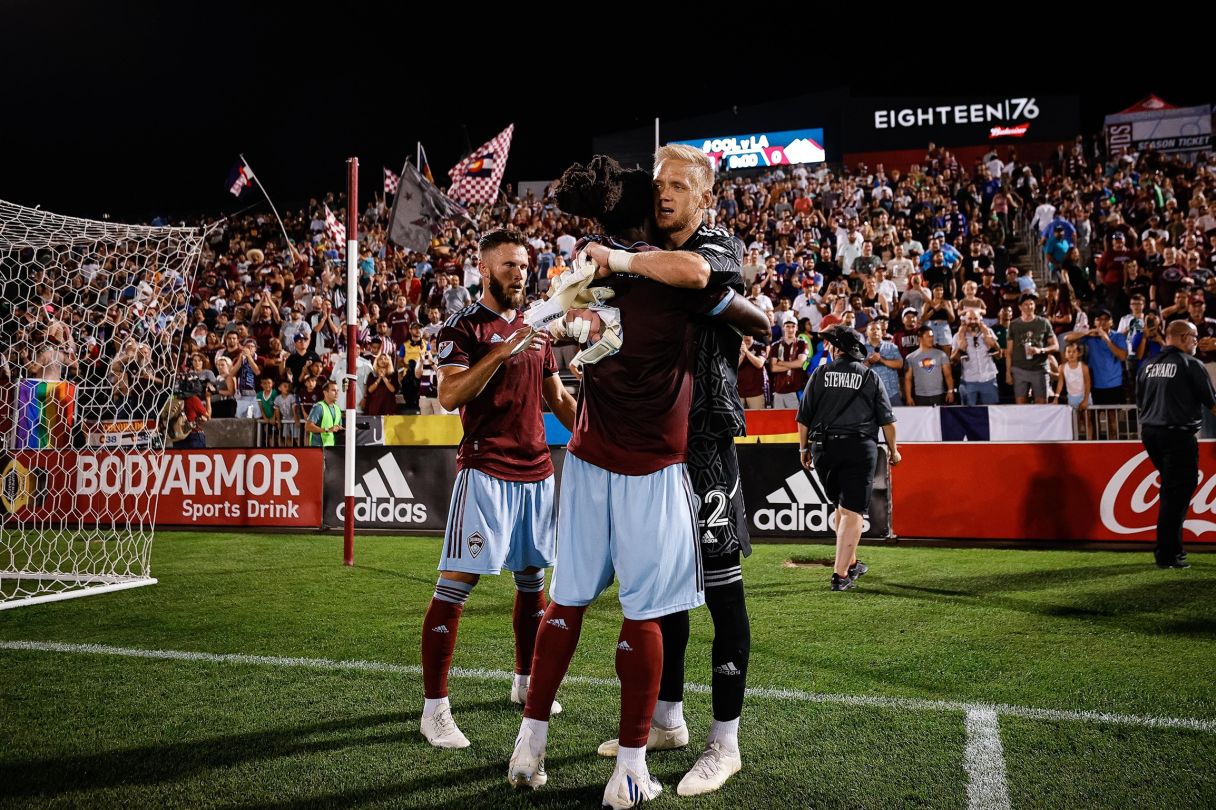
391	182
336	230
476	178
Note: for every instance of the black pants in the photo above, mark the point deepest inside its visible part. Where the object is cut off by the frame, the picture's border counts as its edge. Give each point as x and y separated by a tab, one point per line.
1175	454
846	465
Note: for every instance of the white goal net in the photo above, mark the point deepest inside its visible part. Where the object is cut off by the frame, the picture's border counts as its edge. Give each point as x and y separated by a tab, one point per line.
92	316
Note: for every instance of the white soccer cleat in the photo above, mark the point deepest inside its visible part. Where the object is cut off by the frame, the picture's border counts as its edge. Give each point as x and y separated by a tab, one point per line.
712	769
659	739
526	769
441	731
520	697
628	789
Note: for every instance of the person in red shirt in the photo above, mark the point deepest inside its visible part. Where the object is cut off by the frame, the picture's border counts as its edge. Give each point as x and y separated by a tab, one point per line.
496	371
786	362
751	373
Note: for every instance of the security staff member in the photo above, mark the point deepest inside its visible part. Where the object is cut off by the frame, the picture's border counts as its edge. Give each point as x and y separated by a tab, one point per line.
1171	392
842	408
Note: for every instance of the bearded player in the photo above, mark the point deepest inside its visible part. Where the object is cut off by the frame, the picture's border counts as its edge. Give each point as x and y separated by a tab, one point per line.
627	506
496	371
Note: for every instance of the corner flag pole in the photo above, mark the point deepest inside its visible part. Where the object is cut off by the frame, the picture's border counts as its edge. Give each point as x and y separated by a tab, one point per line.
352	346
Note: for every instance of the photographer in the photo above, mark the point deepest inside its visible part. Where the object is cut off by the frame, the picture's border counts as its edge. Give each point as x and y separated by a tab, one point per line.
976	347
186	413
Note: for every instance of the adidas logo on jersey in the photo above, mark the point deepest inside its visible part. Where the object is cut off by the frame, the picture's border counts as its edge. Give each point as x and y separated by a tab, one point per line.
624	645
443	628
496	339
807	510
383	495
708	538
728	668
559	623
540	614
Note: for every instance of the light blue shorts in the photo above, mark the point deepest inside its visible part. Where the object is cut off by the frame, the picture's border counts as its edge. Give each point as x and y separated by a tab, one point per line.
495	524
642	527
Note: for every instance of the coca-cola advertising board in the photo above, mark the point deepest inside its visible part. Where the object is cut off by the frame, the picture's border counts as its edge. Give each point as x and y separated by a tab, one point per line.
1087	491
195	487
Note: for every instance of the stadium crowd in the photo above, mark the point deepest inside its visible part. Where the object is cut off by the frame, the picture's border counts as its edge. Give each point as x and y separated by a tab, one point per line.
922	262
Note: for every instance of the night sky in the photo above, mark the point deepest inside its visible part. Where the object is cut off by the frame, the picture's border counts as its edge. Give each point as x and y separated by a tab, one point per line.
143	112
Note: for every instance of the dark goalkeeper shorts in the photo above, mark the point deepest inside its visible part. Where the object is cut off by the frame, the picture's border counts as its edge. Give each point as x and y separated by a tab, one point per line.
721	517
846	466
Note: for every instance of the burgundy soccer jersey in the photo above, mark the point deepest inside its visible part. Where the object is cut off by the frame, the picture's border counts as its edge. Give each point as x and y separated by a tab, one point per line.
504	431
633	406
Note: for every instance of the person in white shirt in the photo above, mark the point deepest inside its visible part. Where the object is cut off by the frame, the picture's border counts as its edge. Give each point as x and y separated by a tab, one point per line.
1043	215
759	299
806	305
565	245
885	286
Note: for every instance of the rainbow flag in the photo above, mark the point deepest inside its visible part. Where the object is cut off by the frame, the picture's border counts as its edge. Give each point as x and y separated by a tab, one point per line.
45	412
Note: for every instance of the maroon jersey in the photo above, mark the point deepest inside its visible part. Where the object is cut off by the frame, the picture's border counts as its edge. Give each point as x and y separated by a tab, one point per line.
504	430
751	379
794	380
633	406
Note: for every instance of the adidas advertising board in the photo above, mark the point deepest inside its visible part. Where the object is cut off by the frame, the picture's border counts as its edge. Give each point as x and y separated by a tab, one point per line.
395	487
783	500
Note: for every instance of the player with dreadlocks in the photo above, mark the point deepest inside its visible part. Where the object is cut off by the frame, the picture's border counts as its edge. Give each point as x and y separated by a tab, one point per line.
681	191
634	215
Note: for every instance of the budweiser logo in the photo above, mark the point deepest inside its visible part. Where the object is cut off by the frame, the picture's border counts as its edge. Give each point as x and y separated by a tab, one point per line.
1136	487
1008	132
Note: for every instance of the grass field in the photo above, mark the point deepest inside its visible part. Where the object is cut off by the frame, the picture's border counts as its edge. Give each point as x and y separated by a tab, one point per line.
1097	667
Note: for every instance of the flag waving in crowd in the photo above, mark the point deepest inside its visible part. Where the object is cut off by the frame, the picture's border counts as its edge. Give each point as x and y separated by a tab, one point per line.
336	231
476	178
240	178
418	210
424	166
391	181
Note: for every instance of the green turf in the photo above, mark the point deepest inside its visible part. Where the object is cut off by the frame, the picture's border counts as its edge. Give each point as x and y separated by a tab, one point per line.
1058	630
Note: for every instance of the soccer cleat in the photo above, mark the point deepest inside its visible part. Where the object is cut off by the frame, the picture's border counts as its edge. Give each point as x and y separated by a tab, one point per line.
628	789
1174	564
520	697
711	771
659	739
857	569
526	769
840	583
441	731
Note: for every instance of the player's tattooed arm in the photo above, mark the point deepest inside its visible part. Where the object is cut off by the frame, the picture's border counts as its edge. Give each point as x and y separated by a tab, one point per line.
744	316
458	386
675	268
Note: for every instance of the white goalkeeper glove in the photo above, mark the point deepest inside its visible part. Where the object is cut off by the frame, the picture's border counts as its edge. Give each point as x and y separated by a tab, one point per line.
569	291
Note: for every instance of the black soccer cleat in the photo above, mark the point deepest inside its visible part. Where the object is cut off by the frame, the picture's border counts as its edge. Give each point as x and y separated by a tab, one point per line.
840	583
1174	564
857	569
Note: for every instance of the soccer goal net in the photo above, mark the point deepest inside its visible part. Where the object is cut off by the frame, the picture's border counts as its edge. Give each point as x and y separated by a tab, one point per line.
92	316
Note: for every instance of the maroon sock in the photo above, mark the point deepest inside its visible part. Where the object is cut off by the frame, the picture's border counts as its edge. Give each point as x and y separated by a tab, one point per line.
525	619
438	640
555	643
639	665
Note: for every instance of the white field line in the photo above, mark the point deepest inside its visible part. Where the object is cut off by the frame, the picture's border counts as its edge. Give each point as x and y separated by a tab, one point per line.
984	762
860	701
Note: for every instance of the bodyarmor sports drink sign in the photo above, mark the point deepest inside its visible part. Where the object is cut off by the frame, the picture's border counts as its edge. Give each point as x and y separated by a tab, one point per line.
762	148
879	124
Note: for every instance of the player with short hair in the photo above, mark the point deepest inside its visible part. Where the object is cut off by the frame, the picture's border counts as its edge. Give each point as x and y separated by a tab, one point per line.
496	371
627	505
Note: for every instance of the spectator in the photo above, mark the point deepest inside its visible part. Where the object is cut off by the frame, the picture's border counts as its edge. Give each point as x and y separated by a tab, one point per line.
928	379
298	361
975	347
752	378
1030	340
787	361
382	386
296	325
1074	379
939	315
884	357
907	338
287	416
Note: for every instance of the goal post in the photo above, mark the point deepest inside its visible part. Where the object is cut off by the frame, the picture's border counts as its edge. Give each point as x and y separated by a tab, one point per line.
92	321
